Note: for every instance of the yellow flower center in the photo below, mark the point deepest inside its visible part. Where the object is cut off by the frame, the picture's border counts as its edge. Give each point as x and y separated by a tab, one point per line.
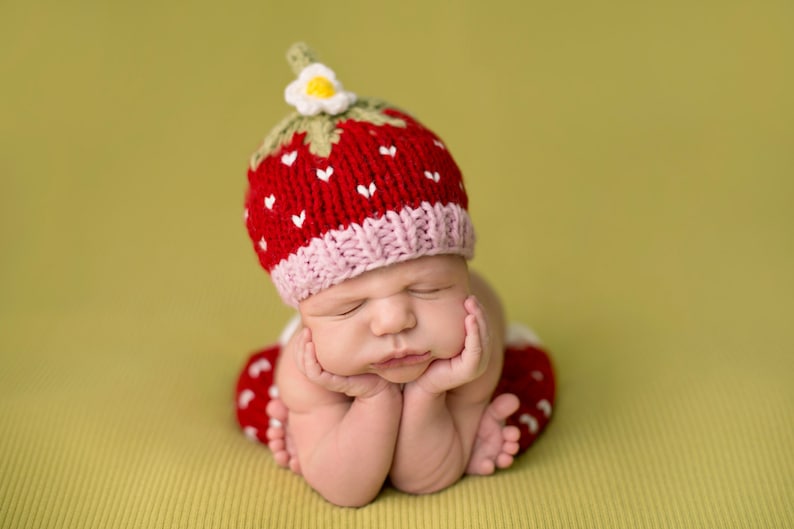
320	87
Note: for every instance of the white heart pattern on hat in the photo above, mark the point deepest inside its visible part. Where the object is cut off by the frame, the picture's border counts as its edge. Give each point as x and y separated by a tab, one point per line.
269	201
434	176
325	175
289	158
367	191
388	151
298	219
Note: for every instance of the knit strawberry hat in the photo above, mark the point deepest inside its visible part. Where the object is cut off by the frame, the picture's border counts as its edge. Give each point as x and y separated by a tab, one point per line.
346	185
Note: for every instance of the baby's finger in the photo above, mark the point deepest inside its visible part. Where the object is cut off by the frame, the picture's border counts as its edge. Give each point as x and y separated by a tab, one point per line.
311	366
472	328
476	337
473	342
474	308
299	352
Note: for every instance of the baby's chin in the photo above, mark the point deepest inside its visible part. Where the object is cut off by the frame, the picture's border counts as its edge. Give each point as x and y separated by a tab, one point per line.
403	375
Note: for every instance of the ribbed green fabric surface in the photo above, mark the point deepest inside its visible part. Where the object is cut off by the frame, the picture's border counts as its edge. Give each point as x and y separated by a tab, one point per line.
629	167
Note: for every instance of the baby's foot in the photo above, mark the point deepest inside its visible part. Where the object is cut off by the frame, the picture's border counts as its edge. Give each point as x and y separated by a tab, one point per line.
278	438
495	444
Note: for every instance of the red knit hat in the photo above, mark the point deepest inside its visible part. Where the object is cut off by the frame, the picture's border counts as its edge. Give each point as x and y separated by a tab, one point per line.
346	185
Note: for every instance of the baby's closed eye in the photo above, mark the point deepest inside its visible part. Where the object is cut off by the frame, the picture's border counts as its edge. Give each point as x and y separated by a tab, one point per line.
429	291
348	308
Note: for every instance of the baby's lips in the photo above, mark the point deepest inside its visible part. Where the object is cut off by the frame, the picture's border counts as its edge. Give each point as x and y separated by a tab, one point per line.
401	359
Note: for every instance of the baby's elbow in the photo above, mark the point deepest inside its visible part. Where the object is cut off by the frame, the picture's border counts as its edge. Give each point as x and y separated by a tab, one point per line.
428	485
346	492
352	499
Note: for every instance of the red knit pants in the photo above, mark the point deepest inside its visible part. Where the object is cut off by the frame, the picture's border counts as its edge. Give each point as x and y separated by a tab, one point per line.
527	373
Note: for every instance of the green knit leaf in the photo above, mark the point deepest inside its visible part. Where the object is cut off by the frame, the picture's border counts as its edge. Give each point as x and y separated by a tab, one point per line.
371	111
321	135
322	131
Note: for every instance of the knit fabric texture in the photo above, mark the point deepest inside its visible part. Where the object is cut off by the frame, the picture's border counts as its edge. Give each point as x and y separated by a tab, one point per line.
331	197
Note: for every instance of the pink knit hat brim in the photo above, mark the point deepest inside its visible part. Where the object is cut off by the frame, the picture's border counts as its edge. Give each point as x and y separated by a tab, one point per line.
397	236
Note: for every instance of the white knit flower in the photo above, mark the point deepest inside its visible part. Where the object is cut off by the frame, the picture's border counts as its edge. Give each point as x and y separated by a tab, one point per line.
317	90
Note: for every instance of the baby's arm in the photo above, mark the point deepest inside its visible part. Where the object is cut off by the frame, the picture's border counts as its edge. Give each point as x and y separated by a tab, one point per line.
344	428
442	409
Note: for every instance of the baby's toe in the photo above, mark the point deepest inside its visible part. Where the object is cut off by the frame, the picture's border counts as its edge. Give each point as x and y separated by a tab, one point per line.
511	447
487	467
281	458
277	445
503	406
274	433
277	410
511	433
504	460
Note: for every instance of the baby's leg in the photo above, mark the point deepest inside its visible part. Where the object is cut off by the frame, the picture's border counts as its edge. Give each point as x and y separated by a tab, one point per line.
496	444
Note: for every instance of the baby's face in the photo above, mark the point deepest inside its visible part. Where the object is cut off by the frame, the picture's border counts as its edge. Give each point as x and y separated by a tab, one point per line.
393	321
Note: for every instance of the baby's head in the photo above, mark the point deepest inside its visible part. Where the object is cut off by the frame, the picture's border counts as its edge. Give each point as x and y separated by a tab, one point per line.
347	185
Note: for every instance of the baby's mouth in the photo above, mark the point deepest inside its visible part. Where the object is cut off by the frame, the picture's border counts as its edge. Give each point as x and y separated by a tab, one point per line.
402	360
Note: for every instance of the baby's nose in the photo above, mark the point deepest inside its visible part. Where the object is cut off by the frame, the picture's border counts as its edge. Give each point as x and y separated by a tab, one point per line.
392	316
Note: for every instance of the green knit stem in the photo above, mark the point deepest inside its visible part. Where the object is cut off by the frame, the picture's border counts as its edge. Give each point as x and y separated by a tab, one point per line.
299	56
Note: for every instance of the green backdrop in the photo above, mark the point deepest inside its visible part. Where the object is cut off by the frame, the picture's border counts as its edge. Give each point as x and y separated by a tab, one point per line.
630	171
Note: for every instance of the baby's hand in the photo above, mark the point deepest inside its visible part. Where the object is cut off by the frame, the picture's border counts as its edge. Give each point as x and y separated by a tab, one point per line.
444	375
356	386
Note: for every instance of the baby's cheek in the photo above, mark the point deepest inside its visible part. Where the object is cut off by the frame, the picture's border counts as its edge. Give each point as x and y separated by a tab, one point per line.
453	331
323	348
334	356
